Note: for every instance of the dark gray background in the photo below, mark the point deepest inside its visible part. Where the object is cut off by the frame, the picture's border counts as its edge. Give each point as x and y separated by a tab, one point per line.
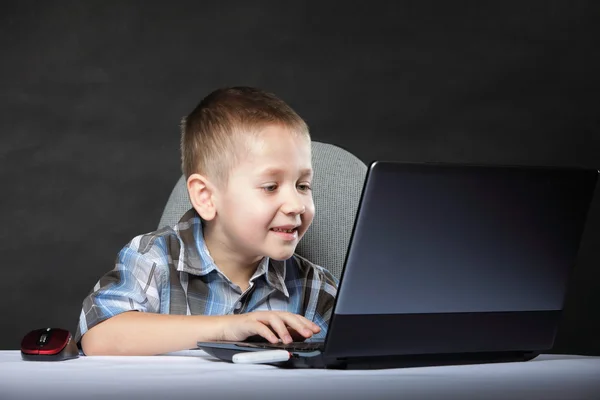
92	93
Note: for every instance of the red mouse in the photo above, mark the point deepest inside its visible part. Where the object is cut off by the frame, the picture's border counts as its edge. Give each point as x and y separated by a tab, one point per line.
48	344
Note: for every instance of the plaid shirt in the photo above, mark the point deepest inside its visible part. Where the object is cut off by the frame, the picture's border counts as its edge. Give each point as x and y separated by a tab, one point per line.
170	271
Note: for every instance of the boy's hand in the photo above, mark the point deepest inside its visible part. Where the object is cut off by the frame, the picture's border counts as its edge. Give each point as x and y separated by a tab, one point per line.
272	325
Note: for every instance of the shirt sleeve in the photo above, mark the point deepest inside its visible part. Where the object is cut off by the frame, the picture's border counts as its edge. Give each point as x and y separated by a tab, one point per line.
323	288
133	285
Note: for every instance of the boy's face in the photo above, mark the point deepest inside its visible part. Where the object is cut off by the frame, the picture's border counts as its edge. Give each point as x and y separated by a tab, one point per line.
267	206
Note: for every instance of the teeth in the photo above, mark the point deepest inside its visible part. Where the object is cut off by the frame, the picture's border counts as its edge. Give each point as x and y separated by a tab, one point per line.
283	230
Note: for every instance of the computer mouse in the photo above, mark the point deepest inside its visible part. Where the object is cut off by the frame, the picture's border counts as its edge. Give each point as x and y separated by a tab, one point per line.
48	344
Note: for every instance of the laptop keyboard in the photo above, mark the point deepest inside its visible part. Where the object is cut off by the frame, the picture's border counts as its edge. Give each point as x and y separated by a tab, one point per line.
294	346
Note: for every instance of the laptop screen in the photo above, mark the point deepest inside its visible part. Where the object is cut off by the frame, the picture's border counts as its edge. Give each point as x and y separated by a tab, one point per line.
433	238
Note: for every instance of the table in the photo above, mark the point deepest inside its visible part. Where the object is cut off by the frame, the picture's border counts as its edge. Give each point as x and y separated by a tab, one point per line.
195	375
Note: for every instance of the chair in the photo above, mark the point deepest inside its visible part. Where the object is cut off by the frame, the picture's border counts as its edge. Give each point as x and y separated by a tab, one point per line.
337	185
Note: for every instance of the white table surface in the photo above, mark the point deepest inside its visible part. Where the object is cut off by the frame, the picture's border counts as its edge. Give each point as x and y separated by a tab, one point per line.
195	375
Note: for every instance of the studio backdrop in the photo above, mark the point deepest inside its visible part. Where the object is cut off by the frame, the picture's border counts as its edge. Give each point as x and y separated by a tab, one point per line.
91	95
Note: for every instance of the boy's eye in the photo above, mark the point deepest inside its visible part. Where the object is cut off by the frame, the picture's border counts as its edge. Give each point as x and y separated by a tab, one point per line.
270	188
304	187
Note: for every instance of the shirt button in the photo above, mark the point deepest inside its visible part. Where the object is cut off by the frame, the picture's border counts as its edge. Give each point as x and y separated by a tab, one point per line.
238	305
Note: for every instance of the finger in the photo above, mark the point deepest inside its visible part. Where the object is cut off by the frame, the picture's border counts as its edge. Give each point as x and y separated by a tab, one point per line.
301	325
276	323
311	325
298	323
296	337
287	317
307	323
264	331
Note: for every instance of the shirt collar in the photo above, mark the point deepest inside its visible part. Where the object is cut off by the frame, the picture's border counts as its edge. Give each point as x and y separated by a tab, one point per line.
198	261
276	275
194	257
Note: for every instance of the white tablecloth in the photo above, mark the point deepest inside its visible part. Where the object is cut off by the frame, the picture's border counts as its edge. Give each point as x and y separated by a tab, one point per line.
195	375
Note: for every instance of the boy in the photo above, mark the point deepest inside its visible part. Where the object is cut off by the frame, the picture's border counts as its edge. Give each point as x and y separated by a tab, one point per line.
227	270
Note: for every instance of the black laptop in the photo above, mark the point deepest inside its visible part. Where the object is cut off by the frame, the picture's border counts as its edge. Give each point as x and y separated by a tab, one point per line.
450	264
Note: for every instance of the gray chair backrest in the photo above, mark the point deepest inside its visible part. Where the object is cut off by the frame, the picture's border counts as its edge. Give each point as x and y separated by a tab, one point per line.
337	185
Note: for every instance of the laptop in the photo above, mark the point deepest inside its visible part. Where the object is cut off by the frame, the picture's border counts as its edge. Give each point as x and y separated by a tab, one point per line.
449	264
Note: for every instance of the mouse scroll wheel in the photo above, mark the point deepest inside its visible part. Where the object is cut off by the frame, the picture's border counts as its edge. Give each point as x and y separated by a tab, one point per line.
44	338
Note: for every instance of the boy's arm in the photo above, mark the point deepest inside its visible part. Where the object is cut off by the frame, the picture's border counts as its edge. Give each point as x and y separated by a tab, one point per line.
140	333
122	314
143	333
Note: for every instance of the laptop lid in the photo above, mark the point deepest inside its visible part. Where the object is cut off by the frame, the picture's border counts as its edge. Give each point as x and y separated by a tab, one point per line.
459	258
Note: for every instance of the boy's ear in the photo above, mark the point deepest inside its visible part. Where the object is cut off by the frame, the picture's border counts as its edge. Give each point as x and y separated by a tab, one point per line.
202	193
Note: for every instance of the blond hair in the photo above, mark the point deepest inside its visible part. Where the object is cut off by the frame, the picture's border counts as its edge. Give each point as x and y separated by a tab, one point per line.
214	133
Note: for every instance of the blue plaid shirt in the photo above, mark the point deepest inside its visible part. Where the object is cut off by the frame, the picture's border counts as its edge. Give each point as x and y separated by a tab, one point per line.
170	271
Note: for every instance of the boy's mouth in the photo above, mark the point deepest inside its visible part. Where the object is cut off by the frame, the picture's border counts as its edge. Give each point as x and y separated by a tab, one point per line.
288	232
292	230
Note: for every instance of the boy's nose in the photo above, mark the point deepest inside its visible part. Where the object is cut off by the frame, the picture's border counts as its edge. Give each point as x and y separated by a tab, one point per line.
294	205
294	208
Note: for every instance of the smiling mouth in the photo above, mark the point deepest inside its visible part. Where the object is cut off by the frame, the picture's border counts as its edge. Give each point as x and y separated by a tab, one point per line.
284	230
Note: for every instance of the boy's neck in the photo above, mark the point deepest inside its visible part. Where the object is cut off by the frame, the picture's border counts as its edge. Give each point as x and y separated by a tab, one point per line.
237	273
236	269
